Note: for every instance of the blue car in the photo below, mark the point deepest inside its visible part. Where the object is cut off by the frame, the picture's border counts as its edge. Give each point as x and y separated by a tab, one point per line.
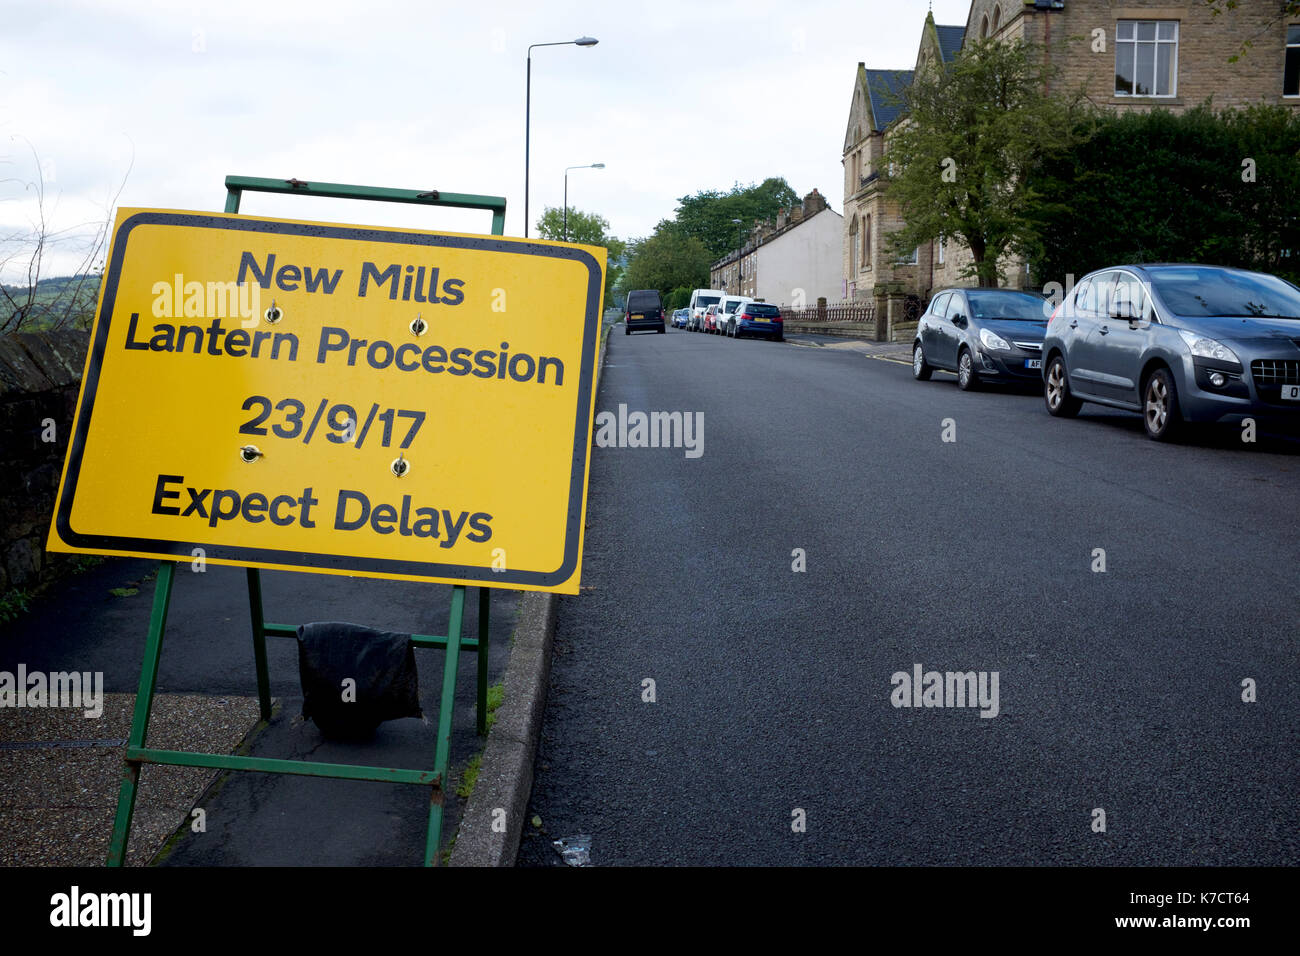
1179	344
679	318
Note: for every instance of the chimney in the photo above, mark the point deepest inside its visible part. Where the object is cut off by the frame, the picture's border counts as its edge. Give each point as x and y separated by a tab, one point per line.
796	212
814	202
782	215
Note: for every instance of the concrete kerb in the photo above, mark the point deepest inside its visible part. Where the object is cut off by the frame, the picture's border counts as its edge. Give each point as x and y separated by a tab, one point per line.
492	824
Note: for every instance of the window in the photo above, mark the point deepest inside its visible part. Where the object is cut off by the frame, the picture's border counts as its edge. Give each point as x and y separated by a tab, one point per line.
1082	296
997	18
943	242
955	306
939	304
905	261
1129	295
853	253
1291	73
866	242
1146	57
984	27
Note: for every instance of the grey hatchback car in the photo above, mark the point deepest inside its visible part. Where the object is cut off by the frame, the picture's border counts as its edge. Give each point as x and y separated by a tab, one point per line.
984	335
1178	343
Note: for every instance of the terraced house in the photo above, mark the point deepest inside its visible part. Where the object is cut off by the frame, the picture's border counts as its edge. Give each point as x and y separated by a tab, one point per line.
1126	55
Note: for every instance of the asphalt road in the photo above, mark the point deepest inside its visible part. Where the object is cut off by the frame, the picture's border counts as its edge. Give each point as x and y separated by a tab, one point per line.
1119	690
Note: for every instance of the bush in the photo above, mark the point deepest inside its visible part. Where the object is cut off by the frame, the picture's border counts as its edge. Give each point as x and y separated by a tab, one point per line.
1216	188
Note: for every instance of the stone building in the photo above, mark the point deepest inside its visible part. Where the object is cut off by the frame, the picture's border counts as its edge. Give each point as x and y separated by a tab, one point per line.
1125	55
791	260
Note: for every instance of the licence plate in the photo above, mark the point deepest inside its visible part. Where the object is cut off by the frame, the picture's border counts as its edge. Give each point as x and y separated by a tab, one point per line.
1033	363
1291	393
638	316
762	320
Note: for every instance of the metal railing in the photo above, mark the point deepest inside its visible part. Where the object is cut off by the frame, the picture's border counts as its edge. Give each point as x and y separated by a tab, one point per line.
845	312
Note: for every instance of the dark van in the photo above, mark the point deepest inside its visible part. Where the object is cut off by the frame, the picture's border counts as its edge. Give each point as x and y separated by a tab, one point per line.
644	312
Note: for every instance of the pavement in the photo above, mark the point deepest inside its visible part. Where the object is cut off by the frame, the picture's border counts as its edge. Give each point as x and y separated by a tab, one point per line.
60	772
252	819
710	703
886	351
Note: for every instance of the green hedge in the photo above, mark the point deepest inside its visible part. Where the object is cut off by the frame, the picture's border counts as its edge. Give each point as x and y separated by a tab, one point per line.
1160	187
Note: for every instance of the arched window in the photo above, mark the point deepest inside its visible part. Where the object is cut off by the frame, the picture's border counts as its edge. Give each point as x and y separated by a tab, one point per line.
866	242
984	26
997	18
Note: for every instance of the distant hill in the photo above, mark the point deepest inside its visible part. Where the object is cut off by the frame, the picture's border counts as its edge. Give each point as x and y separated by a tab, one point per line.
59	302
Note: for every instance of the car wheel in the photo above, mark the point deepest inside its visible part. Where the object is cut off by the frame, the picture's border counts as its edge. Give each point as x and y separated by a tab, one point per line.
627	330
1160	413
731	329
967	380
1056	391
662	330
921	370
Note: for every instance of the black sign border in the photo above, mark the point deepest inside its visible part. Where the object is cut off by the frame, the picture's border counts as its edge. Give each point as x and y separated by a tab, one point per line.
298	560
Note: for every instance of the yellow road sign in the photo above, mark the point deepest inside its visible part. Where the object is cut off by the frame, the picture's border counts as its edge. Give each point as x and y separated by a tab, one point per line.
343	399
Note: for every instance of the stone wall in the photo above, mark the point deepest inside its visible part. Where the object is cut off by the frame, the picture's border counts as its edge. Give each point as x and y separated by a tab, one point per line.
40	376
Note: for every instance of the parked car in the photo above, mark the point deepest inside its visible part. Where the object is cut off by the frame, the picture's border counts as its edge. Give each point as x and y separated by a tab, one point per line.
644	312
708	323
758	318
701	299
1179	343
679	318
726	312
982	335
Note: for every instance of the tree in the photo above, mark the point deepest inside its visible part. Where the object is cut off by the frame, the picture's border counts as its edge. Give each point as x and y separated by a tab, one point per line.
708	214
957	161
588	229
39	302
679	298
1160	187
666	261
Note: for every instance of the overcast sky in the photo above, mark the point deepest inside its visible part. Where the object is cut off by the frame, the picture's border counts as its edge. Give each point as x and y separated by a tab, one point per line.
164	99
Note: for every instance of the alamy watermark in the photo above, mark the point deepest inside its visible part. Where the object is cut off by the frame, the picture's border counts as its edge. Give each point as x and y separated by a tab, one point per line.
922	688
58	689
651	430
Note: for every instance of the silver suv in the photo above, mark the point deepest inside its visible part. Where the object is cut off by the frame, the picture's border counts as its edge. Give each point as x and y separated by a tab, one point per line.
1177	343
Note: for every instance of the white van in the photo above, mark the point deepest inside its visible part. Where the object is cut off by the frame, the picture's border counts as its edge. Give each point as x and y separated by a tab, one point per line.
701	299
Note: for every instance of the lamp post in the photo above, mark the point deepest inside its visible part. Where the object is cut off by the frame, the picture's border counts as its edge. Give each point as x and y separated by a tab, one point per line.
528	104
566	192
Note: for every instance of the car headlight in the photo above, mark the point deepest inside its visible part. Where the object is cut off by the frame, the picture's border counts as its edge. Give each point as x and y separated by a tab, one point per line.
1205	347
991	341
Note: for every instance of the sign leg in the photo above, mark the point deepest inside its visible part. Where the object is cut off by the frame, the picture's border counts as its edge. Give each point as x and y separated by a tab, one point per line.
162	596
445	706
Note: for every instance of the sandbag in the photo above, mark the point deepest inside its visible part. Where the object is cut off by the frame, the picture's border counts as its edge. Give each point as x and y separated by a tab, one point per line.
380	662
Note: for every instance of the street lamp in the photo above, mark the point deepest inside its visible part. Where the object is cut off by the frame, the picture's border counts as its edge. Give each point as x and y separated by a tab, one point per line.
566	193
528	103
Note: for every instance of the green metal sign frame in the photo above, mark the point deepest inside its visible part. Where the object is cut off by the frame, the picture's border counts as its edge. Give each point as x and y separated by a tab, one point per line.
453	642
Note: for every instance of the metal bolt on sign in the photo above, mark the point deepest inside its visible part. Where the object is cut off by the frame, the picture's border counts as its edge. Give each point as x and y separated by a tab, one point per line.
250	453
